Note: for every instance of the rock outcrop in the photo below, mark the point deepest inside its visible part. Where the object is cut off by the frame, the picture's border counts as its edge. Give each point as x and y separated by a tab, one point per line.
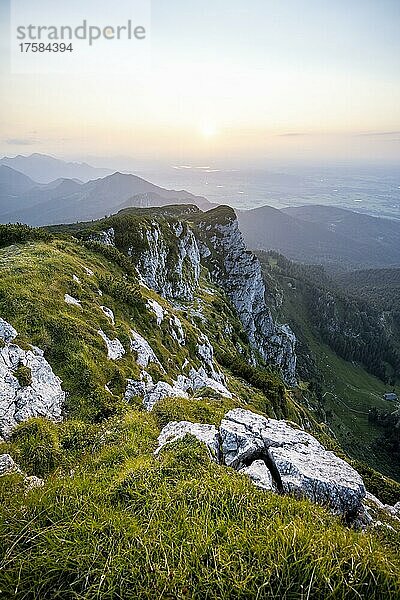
277	456
7	465
115	349
40	396
171	268
151	392
238	272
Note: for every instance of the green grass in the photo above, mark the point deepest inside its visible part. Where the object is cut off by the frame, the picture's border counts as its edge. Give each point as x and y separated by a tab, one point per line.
114	522
125	525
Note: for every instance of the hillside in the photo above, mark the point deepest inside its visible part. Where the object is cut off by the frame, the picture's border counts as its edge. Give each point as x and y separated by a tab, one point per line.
332	331
155	441
339	239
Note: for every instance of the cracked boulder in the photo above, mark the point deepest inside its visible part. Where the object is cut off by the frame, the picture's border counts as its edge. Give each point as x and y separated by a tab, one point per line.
298	463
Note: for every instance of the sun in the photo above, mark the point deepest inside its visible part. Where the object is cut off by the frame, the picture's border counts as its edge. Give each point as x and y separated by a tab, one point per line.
208	130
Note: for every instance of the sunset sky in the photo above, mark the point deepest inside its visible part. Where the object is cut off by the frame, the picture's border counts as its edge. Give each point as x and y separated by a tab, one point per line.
226	80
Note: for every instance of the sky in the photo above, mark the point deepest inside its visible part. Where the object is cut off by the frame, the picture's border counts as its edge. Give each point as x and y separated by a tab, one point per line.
225	82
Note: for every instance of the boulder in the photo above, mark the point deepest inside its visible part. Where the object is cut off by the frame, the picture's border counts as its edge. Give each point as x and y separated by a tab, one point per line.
42	397
144	351
7	331
7	465
299	464
157	309
109	313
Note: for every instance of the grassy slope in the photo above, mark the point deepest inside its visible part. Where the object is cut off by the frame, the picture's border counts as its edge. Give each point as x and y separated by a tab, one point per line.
114	522
124	525
346	388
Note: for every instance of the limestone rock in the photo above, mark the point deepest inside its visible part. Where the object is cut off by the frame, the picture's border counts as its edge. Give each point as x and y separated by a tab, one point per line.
238	271
72	301
299	464
145	353
260	475
7	331
172	271
315	473
152	393
157	309
32	482
207	434
115	349
7	465
44	396
104	237
109	313
177	330
134	389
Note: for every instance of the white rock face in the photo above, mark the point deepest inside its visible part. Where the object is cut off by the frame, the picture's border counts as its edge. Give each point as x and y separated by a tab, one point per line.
7	465
105	237
115	349
44	397
145	354
199	379
207	434
173	272
238	271
134	388
71	300
177	330
320	476
76	279
300	465
152	393
7	331
88	271
157	309
260	475
109	313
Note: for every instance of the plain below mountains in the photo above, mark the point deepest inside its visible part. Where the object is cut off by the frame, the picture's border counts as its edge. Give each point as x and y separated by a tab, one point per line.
339	239
69	200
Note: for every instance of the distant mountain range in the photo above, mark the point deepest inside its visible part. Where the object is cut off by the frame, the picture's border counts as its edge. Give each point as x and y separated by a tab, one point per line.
336	238
69	200
44	169
339	239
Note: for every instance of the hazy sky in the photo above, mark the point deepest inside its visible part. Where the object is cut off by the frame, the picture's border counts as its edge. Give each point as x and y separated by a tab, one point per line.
228	80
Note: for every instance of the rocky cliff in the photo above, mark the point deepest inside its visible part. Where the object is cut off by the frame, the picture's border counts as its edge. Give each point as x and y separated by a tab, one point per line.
169	253
238	271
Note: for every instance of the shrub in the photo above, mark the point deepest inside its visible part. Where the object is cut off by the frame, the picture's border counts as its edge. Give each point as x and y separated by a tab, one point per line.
24	376
16	233
113	255
37	446
77	436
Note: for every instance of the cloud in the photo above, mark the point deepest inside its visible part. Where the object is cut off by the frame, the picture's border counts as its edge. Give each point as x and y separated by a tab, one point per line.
379	133
21	141
294	134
